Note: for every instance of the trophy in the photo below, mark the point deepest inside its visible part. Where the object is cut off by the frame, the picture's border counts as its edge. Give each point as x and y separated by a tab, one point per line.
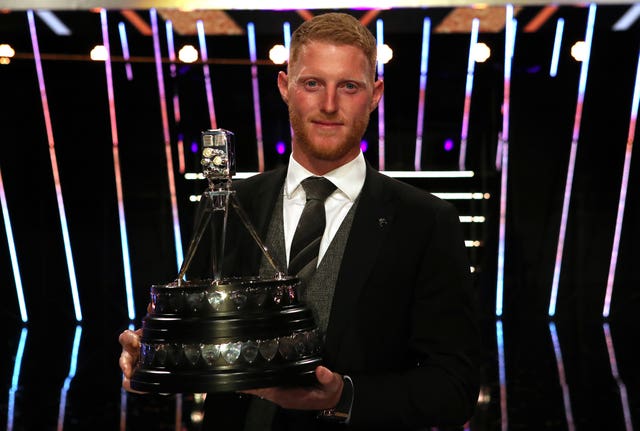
225	334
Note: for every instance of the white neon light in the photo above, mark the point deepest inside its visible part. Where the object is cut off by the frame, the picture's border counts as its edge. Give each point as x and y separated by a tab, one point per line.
475	24
54	167
251	33
12	253
15	378
627	20
53	22
207	74
73	365
122	31
510	36
167	140
562	377
472	219
557	43
424	68
124	242
572	161
624	185
381	125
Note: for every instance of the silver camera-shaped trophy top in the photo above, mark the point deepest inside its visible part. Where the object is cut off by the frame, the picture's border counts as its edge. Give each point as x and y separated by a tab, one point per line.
225	334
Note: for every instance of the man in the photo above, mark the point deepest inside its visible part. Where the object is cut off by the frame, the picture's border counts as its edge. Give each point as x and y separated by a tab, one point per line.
392	286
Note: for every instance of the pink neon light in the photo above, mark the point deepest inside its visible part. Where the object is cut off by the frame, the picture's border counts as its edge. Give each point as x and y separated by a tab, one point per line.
167	140
207	74
467	96
256	94
424	62
381	128
54	167
623	193
562	377
624	399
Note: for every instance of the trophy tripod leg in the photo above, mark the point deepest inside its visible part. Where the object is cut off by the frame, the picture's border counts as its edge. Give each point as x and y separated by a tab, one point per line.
201	225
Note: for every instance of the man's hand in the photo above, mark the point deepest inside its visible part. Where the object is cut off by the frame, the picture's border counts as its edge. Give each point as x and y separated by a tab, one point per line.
323	396
130	342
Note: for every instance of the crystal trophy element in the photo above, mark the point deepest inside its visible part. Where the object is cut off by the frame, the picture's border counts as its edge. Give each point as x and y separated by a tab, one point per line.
225	334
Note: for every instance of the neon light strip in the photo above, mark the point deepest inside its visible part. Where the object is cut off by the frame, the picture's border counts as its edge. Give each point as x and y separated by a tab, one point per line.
394	174
176	98
178	422
167	140
12	252
424	67
136	21
15	378
539	20
623	193
502	377
510	35
467	96
562	377
444	196
381	129
251	33
286	30
627	20
207	74
67	382
54	167
122	30
53	22
572	160
124	242
624	399
557	43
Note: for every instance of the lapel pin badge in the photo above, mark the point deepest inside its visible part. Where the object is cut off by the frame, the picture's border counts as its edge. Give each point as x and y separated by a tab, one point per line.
382	222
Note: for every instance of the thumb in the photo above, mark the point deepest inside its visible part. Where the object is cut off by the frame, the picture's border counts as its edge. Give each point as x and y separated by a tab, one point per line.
324	375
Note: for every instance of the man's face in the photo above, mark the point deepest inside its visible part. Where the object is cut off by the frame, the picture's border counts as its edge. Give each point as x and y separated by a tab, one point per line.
330	93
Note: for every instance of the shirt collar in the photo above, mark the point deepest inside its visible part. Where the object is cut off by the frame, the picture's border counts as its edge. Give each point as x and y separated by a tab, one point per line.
348	178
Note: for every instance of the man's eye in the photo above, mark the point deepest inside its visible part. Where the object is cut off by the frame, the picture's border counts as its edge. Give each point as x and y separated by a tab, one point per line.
311	84
351	87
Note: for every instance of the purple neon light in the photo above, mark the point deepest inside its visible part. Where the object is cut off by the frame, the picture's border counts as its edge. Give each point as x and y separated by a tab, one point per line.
557	43
584	70
381	126
122	30
54	168
624	185
251	34
562	377
502	377
194	147
281	147
167	141
175	99
503	140
116	168
424	67
448	145
467	96
207	74
364	146
12	252
622	389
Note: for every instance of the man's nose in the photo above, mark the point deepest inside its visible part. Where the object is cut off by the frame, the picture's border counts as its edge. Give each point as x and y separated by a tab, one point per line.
330	101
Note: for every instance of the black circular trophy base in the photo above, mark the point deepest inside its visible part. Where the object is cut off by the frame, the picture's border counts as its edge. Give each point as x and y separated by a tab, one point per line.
300	373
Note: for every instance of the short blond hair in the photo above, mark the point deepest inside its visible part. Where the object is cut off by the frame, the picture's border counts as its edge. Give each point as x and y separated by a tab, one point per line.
335	28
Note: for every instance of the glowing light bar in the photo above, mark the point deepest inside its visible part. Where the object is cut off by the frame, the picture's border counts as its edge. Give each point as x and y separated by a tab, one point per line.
286	30
622	389
251	33
624	184
572	161
510	36
444	196
424	67
468	90
627	20
12	252
67	382
502	377
122	30
557	43
562	377
539	20
135	19
176	98
54	167
207	74
393	174
15	378
53	22
472	219
124	242
167	141
381	128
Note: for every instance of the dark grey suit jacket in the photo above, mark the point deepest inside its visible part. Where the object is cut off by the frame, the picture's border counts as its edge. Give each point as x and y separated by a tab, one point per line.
403	323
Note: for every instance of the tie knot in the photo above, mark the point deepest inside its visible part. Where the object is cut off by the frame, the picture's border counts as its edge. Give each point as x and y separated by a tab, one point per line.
317	188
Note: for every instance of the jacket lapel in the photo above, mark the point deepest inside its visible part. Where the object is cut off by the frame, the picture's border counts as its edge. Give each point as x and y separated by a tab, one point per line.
373	216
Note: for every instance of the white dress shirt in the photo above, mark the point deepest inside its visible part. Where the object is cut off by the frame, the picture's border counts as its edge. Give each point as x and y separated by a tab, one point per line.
348	178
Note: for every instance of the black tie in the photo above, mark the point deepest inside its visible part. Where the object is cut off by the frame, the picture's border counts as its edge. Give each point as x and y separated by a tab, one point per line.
306	240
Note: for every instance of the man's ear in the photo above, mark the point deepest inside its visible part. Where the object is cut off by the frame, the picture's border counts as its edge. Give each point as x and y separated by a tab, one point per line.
378	89
283	86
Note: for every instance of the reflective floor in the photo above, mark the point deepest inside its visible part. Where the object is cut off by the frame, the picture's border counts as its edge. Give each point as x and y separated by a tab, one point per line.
538	375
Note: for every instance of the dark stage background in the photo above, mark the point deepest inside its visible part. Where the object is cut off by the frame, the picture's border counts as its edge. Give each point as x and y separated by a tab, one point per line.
541	125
